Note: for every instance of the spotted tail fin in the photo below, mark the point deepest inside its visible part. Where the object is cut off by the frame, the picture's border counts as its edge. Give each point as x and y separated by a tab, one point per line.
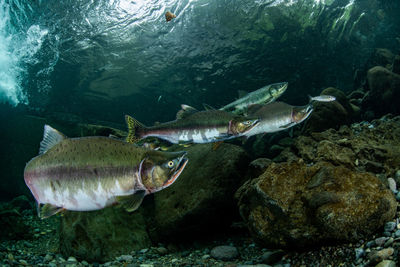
134	129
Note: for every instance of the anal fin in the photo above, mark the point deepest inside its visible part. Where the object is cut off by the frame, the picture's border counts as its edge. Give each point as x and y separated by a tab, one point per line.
216	145
48	210
132	202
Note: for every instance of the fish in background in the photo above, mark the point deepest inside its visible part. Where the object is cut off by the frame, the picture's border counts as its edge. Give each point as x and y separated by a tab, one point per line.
322	98
264	95
277	116
91	173
193	126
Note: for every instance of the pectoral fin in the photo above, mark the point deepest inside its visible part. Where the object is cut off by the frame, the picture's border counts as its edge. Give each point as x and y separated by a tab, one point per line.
48	210
287	125
131	202
216	145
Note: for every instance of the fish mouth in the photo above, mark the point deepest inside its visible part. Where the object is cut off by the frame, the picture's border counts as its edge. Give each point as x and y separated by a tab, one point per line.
254	124
183	160
302	113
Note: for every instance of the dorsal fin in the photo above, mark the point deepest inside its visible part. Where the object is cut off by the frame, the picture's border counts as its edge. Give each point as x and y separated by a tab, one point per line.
242	93
208	107
185	111
51	137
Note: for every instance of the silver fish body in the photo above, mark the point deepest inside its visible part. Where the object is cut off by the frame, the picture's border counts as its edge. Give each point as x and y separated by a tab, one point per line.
277	116
193	127
91	173
322	98
264	95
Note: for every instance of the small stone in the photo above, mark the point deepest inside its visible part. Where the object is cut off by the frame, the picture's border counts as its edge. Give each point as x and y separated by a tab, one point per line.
125	258
185	253
146	265
389	226
205	257
386	263
72	259
43	233
48	258
10	256
85	263
392	185
398	196
271	257
162	251
224	253
360	252
380	241
23	262
378	256
389	242
143	250
370	244
397	233
387	234
174	260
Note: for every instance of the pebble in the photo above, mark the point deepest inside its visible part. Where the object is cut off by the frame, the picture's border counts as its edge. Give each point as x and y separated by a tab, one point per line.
392	185
377	256
397	233
143	250
70	259
271	257
126	258
360	252
390	226
224	253
380	241
162	251
386	263
48	258
205	257
389	242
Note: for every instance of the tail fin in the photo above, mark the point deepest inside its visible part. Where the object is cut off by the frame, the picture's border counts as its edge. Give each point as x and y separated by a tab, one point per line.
134	128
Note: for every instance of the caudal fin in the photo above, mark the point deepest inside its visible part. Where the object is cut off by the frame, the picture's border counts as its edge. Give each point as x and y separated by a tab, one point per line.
134	129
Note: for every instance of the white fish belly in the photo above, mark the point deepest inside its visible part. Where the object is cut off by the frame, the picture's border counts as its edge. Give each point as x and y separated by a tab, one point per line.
269	126
81	199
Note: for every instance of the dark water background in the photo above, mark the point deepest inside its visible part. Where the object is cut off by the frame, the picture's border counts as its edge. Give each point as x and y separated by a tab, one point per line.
94	61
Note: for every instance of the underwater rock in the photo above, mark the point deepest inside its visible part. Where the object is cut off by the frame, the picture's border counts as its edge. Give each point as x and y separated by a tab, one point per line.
102	235
330	114
201	201
369	147
295	205
384	91
382	57
396	64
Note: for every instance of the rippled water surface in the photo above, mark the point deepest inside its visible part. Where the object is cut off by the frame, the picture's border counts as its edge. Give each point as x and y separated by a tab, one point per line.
103	59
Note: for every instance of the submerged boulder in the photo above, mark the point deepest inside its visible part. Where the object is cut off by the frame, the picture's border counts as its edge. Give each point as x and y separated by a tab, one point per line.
295	205
201	201
102	235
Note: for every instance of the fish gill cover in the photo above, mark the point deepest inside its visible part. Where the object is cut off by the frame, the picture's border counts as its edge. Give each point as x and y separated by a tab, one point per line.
103	59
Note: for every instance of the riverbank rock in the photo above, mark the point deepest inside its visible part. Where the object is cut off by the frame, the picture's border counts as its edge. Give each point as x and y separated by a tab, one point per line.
384	92
102	235
201	201
295	205
366	146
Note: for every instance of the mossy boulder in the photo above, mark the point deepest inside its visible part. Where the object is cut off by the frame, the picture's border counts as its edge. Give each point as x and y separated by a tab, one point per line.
295	205
201	201
384	91
102	235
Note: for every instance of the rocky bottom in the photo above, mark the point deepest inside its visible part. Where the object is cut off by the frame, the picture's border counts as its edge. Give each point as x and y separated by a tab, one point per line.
237	250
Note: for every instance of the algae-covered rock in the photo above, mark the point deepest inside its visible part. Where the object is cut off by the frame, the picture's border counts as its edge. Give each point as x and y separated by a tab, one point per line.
102	235
292	204
384	91
201	201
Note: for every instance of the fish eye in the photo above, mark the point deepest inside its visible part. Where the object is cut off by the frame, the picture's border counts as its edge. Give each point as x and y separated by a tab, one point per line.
170	164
